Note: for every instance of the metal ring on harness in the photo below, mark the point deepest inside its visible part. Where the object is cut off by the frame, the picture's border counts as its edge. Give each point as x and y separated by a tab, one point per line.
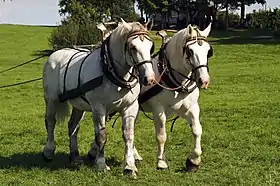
110	69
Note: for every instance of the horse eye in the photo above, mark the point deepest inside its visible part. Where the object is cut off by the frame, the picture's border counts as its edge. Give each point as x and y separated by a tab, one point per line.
133	48
189	52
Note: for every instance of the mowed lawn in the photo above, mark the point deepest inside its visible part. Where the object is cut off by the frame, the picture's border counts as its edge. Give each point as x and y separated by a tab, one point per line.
239	113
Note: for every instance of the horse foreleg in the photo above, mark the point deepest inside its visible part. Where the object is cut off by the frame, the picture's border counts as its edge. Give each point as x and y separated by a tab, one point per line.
99	116
128	119
160	119
50	121
192	117
136	155
73	129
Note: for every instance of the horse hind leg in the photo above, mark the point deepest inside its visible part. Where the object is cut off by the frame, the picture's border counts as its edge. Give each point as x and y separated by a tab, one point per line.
96	153
73	129
55	111
50	121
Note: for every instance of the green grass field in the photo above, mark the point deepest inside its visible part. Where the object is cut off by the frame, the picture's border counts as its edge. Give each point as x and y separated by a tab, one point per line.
239	114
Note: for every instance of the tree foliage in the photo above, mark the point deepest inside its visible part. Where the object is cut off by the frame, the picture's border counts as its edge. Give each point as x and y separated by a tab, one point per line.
99	10
152	7
79	26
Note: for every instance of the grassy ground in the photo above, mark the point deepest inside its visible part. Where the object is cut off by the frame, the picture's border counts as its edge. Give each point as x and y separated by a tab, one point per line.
239	113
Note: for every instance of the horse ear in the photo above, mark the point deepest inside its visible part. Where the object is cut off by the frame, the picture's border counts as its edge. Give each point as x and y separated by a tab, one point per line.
207	30
149	25
126	25
188	31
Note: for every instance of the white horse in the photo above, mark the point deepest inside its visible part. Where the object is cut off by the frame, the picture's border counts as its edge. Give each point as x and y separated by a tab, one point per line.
182	66
107	81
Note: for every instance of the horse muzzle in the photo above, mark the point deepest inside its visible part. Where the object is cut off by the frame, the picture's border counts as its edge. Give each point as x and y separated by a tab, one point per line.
148	80
146	73
203	84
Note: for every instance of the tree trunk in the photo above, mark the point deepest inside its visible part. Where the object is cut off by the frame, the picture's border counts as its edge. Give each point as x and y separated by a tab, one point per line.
242	13
162	20
226	21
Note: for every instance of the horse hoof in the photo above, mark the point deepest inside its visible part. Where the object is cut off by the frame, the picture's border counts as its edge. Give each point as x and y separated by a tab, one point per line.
103	167
48	155
138	158
161	165
130	173
190	167
91	158
75	158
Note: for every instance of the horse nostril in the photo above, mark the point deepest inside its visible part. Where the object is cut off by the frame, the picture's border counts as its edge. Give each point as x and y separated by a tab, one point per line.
145	80
200	81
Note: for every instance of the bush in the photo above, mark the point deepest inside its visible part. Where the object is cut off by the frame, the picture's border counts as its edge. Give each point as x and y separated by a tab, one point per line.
233	20
74	32
77	29
264	19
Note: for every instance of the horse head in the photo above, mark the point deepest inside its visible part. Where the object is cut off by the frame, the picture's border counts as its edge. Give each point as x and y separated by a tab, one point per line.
190	52
132	45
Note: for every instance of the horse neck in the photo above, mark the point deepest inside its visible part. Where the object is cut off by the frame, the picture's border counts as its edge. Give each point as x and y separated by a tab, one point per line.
174	52
116	47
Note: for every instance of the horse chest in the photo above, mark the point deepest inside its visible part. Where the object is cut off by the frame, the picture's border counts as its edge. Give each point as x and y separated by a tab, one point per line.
172	101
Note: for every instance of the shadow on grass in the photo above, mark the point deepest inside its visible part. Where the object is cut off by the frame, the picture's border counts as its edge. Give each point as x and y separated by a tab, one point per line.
247	36
35	160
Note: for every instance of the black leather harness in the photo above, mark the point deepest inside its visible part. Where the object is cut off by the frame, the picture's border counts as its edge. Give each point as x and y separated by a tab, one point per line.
168	73
109	71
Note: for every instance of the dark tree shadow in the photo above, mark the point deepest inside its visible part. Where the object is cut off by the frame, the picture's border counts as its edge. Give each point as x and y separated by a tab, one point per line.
60	161
247	36
35	160
113	162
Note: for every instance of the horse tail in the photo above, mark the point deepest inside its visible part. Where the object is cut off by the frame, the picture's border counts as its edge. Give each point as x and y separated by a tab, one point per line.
62	111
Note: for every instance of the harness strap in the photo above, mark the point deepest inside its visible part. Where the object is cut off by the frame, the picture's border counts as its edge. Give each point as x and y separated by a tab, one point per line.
66	69
74	93
80	69
153	91
81	89
109	68
168	76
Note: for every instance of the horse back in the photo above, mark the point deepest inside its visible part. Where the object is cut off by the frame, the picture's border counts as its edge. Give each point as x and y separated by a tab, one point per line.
66	67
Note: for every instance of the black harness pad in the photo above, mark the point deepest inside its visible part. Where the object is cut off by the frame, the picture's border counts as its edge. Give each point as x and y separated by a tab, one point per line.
149	94
77	92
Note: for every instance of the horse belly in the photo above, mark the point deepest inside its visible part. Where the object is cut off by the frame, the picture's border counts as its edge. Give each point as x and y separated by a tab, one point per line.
107	95
80	104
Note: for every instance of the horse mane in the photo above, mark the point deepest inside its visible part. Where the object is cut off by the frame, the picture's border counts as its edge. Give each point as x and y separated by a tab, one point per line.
136	27
179	39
